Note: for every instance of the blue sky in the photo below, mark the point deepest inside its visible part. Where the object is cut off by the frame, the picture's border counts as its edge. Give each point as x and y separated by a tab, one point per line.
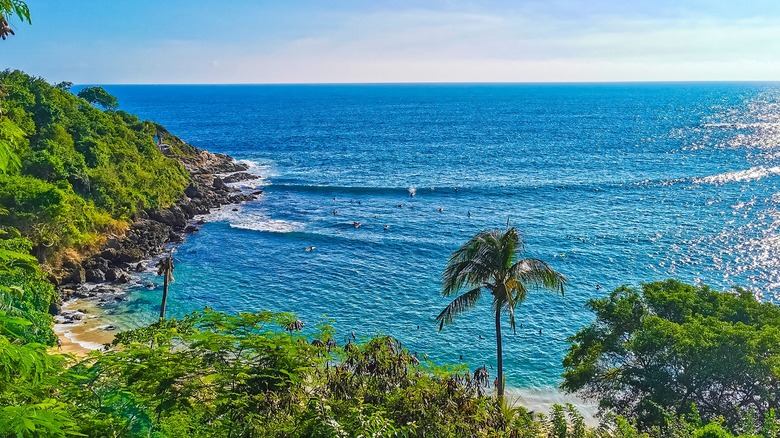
241	41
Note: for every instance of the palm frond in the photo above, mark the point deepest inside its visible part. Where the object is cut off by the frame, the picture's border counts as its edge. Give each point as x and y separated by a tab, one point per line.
538	274
467	272
459	305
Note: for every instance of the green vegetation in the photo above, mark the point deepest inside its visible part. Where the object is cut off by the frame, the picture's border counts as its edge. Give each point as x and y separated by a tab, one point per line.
673	347
70	173
487	261
99	96
9	8
666	360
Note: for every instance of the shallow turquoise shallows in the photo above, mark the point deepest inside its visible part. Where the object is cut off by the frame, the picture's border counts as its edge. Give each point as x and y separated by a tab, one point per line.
611	184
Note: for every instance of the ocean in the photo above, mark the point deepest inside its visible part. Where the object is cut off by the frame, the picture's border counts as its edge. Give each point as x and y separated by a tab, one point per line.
611	184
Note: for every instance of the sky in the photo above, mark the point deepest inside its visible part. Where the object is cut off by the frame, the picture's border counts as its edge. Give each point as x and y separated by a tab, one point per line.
350	41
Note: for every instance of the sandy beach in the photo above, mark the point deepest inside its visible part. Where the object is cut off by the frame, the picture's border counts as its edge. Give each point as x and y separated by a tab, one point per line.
82	335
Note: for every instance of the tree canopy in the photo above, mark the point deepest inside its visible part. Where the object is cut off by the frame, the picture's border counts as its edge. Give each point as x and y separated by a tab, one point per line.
99	96
670	346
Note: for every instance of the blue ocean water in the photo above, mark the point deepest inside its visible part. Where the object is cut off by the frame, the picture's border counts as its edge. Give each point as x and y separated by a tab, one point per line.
610	183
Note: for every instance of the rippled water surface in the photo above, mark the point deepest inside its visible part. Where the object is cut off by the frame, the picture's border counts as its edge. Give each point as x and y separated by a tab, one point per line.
611	184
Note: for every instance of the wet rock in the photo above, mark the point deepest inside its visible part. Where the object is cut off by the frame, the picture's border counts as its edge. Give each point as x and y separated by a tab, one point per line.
238	177
191	229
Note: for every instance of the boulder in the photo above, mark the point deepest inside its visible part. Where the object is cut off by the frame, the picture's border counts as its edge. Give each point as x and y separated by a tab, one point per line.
95	275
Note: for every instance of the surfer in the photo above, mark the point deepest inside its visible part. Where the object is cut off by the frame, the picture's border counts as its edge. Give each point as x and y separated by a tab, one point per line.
310	248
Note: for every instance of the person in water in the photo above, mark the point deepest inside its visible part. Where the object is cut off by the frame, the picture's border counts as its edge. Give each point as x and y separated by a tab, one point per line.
310	248
387	227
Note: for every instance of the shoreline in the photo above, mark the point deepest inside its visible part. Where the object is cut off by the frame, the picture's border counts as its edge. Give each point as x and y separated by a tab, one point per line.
81	324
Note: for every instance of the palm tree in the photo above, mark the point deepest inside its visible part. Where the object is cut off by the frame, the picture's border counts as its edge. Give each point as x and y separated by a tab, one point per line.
165	268
487	261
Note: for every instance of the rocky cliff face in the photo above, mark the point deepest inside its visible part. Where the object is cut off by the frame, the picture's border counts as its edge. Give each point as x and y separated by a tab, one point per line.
153	231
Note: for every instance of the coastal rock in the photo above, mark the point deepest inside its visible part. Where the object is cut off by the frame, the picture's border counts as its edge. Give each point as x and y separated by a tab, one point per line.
117	275
79	275
173	217
95	275
238	177
219	184
153	230
192	191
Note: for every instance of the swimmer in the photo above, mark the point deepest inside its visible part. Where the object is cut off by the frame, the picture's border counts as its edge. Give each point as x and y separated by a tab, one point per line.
376	216
468	214
400	206
441	210
598	287
387	227
310	248
335	212
356	224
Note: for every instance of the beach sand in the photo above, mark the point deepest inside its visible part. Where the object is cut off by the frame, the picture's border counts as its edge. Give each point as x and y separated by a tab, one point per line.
541	400
84	335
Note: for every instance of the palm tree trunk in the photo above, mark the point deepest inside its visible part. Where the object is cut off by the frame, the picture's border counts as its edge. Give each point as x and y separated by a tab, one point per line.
165	294
499	355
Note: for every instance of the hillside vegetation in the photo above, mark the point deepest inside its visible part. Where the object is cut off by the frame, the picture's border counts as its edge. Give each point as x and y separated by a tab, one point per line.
72	173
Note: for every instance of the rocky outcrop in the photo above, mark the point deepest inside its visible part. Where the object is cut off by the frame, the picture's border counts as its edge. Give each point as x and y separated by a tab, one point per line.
154	230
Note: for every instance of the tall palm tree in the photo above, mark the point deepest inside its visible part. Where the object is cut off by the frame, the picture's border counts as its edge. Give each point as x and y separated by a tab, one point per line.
487	262
165	268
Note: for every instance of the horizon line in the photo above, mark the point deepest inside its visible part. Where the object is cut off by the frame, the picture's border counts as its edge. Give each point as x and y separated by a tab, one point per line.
740	81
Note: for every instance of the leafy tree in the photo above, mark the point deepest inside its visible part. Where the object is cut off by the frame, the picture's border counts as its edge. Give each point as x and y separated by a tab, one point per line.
11	138
674	347
488	261
9	8
99	96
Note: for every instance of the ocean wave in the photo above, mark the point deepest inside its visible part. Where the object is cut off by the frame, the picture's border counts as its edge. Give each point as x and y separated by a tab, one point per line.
359	190
239	217
262	169
267	225
752	174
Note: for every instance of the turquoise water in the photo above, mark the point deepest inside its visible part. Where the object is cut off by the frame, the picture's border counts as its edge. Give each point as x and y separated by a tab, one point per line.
612	184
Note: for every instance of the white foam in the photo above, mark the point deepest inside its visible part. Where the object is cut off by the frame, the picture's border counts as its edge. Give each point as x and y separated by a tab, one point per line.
252	220
269	225
263	170
752	174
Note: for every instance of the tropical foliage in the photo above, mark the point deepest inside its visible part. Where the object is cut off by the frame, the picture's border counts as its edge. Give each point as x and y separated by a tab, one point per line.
71	173
669	346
